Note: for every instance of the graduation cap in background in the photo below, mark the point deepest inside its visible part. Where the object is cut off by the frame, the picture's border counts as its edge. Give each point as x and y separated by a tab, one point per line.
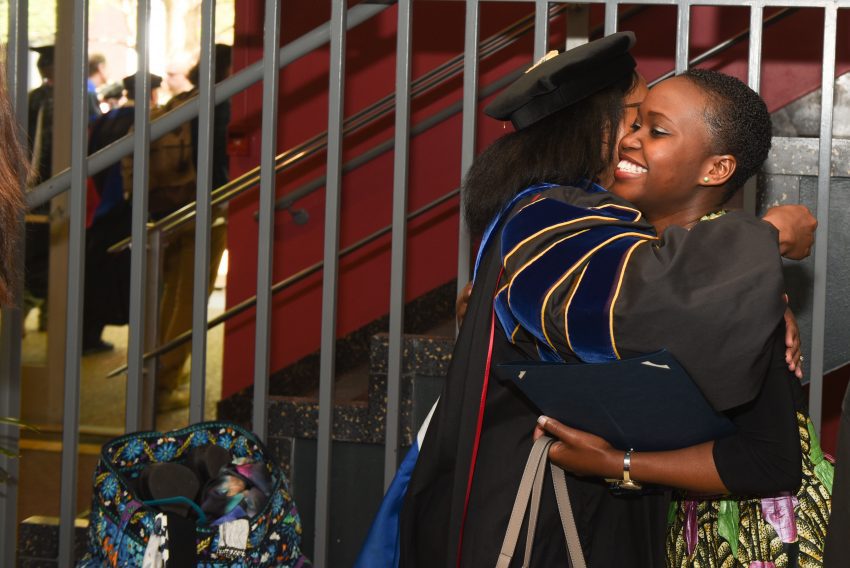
45	55
130	84
560	80
112	91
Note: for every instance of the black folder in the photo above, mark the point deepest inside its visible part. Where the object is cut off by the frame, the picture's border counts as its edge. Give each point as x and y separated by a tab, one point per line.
645	403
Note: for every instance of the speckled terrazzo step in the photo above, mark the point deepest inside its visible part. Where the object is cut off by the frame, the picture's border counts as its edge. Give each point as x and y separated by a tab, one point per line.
422	354
357	470
38	541
424	364
431	314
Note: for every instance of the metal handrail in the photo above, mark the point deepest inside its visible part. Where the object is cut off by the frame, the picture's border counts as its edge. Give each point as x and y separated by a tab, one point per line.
376	111
729	43
224	90
365	117
386	105
244	305
383	147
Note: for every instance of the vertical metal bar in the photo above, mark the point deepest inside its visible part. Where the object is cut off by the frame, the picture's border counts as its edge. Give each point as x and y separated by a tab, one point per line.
830	25
138	254
152	304
683	34
203	217
578	23
10	406
470	112
238	82
399	239
17	64
11	321
76	281
756	32
327	364
265	236
754	80
611	13
541	28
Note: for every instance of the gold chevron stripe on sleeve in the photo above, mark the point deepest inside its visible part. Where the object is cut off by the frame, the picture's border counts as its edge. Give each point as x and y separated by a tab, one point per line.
572	269
617	292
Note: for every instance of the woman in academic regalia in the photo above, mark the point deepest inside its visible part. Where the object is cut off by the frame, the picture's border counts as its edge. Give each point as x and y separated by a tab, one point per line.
463	487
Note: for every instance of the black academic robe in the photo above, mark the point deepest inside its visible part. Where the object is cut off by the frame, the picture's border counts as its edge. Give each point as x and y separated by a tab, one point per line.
107	292
674	293
40	103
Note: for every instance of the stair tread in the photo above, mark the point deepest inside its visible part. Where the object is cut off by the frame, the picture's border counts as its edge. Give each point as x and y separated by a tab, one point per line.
351	385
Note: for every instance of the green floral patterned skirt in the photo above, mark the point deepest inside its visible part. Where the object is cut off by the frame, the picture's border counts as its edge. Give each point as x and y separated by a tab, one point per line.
782	531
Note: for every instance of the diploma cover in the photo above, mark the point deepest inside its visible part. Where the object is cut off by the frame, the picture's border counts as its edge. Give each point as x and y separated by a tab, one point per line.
644	403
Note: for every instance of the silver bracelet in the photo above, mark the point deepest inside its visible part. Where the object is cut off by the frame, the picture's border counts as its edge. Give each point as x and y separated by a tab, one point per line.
628	482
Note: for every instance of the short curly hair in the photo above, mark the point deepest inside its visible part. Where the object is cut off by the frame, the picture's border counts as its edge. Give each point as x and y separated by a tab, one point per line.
738	122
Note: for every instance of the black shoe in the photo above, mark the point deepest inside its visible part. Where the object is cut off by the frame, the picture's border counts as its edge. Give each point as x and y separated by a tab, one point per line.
100	346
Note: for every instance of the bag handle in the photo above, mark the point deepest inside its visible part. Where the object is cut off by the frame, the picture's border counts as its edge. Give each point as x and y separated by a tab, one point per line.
530	490
534	468
565	508
179	500
536	491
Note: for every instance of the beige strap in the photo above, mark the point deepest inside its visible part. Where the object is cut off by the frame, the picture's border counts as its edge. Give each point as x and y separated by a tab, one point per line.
536	457
536	491
565	508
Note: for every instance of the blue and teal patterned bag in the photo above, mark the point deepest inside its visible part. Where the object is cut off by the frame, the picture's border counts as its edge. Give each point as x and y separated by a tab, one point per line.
121	525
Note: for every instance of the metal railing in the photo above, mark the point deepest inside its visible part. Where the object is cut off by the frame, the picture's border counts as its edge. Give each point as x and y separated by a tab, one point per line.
144	306
294	156
373	113
378	110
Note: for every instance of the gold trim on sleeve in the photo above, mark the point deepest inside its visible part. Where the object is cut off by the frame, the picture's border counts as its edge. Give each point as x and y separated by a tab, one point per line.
617	292
567	274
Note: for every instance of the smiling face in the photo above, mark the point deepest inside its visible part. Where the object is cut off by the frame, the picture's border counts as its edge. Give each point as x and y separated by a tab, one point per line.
631	103
664	160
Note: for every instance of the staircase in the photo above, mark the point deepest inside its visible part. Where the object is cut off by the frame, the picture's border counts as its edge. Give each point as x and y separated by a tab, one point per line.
358	439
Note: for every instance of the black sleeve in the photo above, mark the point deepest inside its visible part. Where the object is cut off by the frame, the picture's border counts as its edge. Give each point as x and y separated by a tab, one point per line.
590	279
712	297
764	456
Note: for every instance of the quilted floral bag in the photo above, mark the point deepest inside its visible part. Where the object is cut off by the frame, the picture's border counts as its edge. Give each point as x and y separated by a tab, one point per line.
123	526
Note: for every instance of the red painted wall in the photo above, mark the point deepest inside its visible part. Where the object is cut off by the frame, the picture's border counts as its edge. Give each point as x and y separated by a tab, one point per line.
790	70
367	191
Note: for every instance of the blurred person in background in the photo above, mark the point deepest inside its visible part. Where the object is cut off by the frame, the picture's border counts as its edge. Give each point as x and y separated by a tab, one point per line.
97	79
177	74
40	153
178	271
107	290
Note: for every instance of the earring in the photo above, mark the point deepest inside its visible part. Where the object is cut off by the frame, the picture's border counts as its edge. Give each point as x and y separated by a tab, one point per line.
706	179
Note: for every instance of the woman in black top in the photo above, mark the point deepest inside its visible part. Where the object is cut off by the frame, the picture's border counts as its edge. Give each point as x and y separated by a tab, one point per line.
698	137
460	494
